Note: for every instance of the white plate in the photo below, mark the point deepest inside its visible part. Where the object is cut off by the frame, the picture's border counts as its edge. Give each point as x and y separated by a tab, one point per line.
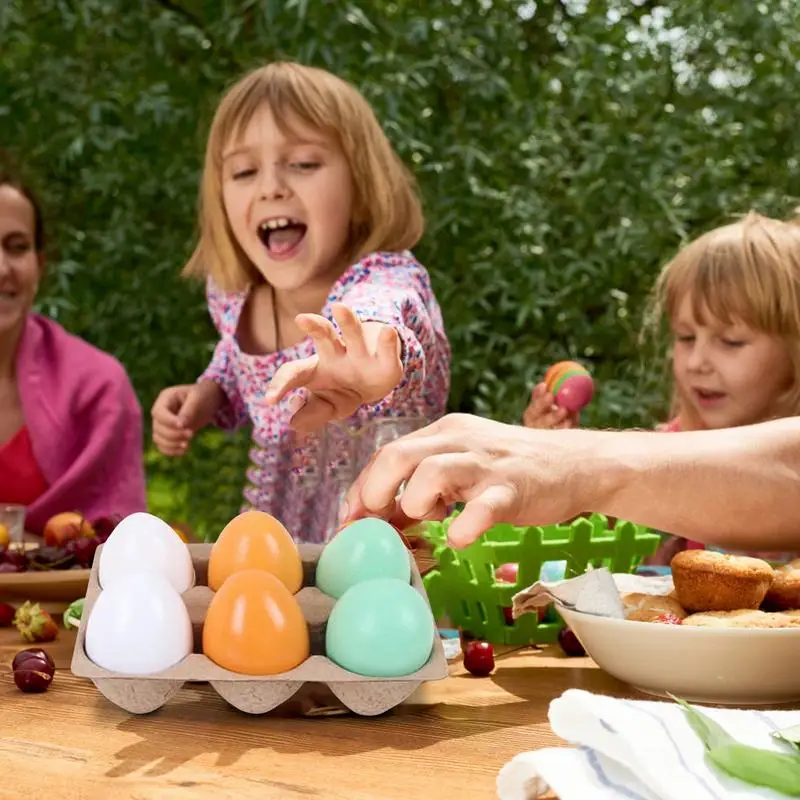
724	666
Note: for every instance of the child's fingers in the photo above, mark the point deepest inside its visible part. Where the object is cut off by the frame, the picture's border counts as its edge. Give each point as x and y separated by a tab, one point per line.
167	405
315	413
170	434
168	445
352	332
326	339
556	417
388	339
289	376
540	390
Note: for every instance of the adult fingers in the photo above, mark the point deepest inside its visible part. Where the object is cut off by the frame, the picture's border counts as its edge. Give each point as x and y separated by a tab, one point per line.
438	480
497	503
289	376
375	489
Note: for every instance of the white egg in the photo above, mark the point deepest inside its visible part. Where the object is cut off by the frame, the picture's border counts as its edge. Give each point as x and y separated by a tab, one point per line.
143	541
139	625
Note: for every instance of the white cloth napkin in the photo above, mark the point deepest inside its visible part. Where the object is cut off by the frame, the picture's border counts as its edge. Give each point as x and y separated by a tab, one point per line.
636	750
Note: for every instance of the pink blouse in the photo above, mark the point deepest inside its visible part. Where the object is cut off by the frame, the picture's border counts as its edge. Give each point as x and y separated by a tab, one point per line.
300	480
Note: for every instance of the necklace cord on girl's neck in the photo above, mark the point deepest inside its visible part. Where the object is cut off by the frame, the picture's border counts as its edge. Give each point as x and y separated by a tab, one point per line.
275	324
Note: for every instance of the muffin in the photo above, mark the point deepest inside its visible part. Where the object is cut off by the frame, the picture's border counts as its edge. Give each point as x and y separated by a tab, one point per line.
784	593
743	618
709	581
649	607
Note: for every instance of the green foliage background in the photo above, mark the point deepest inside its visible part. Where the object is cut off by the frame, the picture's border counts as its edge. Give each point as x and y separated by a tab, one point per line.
564	150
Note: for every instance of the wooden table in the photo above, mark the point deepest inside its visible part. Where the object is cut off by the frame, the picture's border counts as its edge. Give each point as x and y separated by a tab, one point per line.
448	741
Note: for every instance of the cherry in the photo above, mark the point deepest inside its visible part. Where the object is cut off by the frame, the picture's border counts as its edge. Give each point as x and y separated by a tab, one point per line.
479	658
33	652
569	643
32	677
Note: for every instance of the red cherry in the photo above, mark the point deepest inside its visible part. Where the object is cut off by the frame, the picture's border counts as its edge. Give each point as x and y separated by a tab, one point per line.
570	644
479	658
506	573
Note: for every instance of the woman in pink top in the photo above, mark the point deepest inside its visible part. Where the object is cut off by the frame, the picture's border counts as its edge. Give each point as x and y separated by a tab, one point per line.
306	223
731	299
70	423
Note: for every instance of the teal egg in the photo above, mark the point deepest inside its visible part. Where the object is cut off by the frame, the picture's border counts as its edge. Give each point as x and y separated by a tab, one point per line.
381	628
365	549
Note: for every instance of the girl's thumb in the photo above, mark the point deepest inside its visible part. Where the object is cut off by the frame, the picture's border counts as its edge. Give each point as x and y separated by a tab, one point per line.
188	412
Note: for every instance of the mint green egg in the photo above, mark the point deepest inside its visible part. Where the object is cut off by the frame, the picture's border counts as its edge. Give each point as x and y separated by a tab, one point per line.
381	628
365	549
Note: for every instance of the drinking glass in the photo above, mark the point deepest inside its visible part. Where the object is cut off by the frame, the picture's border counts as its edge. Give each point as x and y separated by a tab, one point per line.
13	518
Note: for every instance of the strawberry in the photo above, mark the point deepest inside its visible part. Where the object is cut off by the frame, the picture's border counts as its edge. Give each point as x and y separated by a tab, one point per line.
34	623
668	619
6	614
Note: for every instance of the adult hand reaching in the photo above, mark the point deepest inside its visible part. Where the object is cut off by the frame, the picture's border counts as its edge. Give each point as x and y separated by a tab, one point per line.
502	472
737	488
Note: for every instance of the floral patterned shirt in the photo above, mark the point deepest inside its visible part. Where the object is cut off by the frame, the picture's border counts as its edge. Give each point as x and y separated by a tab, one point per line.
300	479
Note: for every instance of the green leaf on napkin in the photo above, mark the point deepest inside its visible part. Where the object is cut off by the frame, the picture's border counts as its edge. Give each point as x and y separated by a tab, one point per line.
753	765
789	735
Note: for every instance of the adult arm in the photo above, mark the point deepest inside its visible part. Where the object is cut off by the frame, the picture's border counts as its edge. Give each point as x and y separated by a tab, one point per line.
737	488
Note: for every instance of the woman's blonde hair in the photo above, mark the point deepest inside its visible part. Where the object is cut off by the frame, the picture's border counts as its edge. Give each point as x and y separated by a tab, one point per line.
747	271
387	213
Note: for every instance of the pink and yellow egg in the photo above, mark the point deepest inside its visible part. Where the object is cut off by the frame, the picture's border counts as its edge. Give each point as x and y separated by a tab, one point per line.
570	384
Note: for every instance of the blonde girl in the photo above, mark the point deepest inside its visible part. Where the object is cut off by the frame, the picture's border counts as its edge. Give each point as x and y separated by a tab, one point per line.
307	217
731	299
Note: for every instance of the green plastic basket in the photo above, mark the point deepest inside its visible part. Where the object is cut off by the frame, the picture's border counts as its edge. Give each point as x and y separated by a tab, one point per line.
462	587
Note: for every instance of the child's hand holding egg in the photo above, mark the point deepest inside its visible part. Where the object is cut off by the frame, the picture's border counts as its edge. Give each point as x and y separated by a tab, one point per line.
570	384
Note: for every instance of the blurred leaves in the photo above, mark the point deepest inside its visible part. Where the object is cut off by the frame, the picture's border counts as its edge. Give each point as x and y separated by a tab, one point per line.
565	150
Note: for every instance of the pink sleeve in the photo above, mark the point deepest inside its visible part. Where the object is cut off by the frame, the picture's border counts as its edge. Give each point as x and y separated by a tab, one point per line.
401	296
106	476
224	310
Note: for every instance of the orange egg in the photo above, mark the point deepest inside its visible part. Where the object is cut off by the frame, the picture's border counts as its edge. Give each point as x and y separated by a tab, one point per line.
255	540
254	626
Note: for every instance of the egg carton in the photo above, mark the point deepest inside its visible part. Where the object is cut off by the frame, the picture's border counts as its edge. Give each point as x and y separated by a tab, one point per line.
253	694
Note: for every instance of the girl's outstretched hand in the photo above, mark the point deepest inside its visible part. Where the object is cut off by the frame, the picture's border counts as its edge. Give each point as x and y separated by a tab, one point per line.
361	366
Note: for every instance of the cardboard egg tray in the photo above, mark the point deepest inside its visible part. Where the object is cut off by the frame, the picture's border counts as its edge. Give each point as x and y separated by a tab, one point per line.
141	694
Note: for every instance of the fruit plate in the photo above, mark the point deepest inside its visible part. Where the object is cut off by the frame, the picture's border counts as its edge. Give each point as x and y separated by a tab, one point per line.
54	587
45	586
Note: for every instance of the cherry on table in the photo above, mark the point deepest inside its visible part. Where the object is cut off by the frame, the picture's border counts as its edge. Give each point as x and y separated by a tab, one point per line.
570	644
34	653
479	658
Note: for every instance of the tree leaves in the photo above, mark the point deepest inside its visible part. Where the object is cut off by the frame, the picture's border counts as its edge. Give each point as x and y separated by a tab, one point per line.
565	150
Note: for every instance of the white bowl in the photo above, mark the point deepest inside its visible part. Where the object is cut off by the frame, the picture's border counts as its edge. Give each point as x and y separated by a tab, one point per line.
724	666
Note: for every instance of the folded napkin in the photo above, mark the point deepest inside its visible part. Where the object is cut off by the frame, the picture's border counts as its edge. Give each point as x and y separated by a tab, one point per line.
636	750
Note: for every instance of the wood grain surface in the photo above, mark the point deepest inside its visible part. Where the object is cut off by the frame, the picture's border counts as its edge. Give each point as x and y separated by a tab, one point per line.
448	741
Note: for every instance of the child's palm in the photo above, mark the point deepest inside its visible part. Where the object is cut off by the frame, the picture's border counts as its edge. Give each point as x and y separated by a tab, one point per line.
344	373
